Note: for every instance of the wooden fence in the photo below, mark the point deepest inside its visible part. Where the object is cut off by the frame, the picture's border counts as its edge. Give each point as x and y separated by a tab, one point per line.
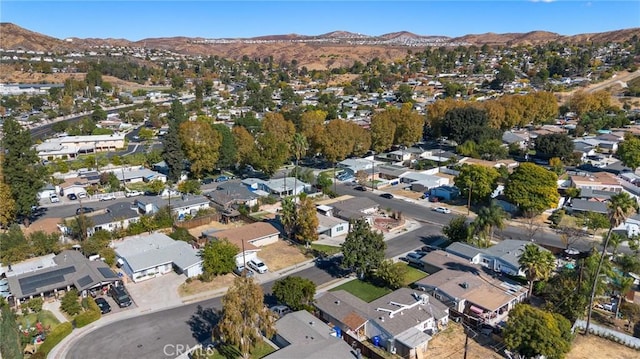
200	221
364	350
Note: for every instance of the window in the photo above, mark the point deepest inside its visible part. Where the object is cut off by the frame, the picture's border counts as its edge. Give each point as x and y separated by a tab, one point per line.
339	228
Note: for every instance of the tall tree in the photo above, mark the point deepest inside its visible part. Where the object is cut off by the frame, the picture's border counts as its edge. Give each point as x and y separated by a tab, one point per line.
307	221
383	130
228	149
477	182
312	127
218	257
554	145
8	208
537	264
532	188
288	216
629	152
363	249
622	284
245	144
619	207
299	147
457	230
531	332
200	143
244	316
409	126
21	169
172	152
296	292
489	218
274	144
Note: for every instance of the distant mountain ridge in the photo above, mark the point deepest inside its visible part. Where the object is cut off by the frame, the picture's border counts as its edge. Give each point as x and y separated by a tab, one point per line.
344	46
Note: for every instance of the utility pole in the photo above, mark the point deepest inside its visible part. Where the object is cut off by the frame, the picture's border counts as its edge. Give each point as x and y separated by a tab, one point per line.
469	200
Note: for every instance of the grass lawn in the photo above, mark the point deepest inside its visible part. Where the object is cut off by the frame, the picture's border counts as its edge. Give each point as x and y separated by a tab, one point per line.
230	352
45	317
413	275
363	290
327	250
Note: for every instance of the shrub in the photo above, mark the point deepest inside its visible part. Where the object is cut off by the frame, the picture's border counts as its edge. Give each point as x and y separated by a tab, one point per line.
69	303
57	334
90	315
35	305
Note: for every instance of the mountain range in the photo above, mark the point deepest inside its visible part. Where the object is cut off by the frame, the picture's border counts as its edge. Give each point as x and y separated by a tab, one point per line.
326	50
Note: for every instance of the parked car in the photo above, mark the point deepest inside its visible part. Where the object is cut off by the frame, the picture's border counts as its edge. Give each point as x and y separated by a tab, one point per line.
133	193
207	180
120	295
72	196
442	210
387	195
54	198
222	179
242	270
258	265
82	194
360	188
280	310
414	257
108	197
84	210
103	305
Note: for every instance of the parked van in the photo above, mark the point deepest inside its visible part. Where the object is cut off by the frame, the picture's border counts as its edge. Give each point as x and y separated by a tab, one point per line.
120	295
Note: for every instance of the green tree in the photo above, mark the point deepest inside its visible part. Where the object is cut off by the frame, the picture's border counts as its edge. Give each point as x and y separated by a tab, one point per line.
295	292
477	182
404	94
156	186
307	221
595	221
11	344
299	146
554	145
383	129
70	304
172	153
145	134
245	318
619	207
274	144
363	249
629	152
8	208
324	181
391	274
200	143
531	332
532	188
288	216
97	242
622	284
468	123
20	168
218	257
457	230
536	263
43	243
98	114
189	186
489	218
228	150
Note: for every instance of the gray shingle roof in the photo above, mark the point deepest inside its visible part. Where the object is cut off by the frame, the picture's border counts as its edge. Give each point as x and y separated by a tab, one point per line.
115	212
143	252
464	250
582	205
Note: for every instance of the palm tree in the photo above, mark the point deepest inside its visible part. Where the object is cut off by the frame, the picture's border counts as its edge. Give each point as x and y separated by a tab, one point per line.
300	147
537	263
616	240
620	206
490	218
623	285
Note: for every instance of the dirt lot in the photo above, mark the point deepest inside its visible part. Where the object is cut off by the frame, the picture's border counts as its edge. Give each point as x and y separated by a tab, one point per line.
281	255
595	347
197	286
197	231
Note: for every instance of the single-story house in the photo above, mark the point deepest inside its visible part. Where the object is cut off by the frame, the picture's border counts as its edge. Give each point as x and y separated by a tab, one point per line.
137	175
70	146
354	165
231	193
469	288
393	173
47	191
147	256
577	205
588	194
181	206
332	226
258	234
520	139
301	335
284	187
69	269
631	226
599	180
353	208
403	321
115	216
422	182
447	193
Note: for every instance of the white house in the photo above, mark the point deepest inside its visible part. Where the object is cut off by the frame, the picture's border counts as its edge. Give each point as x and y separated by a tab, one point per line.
71	146
116	216
332	226
181	206
148	256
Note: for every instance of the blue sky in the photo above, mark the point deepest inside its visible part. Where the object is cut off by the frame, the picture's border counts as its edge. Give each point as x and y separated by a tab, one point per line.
136	20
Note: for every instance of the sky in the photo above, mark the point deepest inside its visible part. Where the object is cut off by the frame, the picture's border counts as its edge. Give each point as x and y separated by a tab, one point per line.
137	20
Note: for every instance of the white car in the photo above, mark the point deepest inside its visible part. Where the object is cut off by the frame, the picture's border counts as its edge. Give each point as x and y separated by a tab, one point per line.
54	198
442	210
108	197
258	266
133	193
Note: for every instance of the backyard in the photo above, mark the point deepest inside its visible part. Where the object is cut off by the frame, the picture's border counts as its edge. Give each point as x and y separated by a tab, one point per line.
227	351
413	275
45	317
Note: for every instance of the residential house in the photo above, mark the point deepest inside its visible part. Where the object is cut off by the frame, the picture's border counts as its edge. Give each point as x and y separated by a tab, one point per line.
47	191
403	322
519	139
598	180
137	175
469	288
393	173
229	194
115	217
69	269
248	238
447	193
284	187
181	206
354	208
594	194
422	182
301	335
631	226
331	227
148	256
585	150
509	164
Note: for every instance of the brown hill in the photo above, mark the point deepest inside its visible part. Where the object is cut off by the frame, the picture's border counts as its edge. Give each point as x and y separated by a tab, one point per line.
17	38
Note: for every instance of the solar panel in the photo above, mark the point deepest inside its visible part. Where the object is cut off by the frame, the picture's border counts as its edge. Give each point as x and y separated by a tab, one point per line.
84	281
32	283
107	273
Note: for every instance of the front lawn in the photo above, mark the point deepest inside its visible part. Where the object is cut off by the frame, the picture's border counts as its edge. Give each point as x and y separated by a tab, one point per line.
413	275
363	290
327	250
45	317
230	352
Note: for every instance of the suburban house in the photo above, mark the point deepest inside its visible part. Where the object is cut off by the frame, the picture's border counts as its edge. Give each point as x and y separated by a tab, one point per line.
148	256
599	181
281	187
330	226
392	173
46	191
469	288
354	165
248	238
447	193
301	335
422	182
631	226
137	175
519	139
578	205
502	257
585	150
116	216
181	206
351	208
58	273
403	322
68	147
229	194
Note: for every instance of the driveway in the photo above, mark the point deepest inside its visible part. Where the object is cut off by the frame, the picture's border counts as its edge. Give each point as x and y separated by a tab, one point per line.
157	293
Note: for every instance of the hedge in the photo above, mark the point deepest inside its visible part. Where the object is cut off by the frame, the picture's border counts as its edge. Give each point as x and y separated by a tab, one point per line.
57	334
90	315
